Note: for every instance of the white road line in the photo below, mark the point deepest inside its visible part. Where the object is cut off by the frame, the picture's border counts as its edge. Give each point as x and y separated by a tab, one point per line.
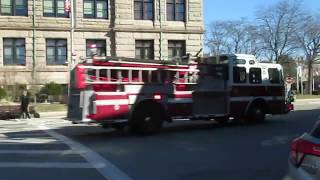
59	165
29	141
62	152
30	134
109	171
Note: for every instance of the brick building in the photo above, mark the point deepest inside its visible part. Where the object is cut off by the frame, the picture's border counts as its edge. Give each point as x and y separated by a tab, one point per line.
36	39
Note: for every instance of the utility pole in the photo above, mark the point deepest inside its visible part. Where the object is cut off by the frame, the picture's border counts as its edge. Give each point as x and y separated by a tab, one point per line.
161	34
301	79
297	79
69	7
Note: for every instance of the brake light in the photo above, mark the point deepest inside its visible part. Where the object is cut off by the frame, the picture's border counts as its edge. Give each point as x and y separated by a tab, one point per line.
290	107
300	148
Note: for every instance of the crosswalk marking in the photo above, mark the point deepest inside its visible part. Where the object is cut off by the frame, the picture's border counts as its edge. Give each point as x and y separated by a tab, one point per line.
109	171
62	152
30	132
29	141
60	165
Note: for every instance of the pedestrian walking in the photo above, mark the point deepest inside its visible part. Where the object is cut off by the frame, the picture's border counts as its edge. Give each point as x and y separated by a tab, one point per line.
24	99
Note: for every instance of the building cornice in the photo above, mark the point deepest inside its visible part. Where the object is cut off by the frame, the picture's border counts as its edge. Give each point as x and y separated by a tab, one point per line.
191	31
55	29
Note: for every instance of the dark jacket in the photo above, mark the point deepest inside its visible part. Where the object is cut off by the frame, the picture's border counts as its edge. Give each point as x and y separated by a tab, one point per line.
24	102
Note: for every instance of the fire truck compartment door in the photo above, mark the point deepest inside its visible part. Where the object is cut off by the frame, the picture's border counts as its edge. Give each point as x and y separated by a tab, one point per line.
210	97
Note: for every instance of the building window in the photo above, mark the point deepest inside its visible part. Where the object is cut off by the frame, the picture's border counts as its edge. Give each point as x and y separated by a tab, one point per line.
14	51
176	49
176	10
101	47
14	7
144	49
56	51
54	8
95	9
143	9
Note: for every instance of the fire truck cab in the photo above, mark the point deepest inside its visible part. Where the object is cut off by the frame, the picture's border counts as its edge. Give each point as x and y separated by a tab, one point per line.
118	92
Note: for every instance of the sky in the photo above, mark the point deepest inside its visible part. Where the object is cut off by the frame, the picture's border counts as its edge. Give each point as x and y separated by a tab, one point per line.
235	9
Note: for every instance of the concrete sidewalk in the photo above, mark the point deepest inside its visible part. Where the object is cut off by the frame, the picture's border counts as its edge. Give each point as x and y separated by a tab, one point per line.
306	100
56	114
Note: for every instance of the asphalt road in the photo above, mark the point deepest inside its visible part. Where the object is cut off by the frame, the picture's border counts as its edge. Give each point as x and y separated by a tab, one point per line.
55	149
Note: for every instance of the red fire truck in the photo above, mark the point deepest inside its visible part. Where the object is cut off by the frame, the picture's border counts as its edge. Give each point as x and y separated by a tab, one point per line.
118	92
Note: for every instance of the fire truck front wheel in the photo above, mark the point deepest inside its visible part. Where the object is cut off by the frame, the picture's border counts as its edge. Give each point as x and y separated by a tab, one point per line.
147	119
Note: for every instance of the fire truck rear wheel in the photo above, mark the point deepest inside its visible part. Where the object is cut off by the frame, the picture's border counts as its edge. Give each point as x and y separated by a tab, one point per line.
257	114
222	120
148	119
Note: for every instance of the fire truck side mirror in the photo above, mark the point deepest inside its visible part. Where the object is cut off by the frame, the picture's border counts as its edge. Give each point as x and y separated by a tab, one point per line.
80	77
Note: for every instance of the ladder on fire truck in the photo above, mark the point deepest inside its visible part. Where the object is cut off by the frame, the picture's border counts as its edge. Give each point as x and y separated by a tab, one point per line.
119	71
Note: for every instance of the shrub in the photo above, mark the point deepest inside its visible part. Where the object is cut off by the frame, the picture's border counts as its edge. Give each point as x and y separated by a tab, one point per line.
13	92
52	89
317	92
3	93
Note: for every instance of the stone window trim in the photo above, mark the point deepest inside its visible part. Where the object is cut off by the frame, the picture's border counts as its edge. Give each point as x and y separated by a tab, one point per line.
176	48
144	49
101	46
56	44
175	15
95	10
14	8
144	10
55	9
14	46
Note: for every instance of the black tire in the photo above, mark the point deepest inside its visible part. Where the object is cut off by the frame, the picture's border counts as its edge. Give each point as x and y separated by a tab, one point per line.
222	120
256	114
105	126
119	127
147	119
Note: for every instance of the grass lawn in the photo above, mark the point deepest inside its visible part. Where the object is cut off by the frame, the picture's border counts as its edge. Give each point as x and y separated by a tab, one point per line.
50	107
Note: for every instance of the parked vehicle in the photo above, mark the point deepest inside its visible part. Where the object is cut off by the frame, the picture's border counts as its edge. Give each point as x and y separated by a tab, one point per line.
304	160
113	91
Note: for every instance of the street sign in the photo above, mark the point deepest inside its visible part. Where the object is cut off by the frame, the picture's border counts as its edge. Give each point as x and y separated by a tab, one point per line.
290	80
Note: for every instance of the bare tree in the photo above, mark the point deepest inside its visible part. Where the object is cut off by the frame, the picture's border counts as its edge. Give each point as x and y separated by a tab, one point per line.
233	37
216	38
237	34
253	43
308	37
277	26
